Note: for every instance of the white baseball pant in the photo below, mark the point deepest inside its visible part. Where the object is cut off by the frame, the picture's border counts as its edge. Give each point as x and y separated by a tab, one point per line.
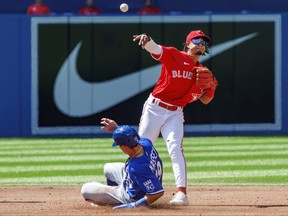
101	194
156	119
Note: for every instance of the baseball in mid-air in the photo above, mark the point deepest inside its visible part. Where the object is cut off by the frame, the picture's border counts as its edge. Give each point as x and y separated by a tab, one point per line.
124	7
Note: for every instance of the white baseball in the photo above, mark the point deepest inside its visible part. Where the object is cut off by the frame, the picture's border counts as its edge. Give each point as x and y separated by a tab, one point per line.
124	7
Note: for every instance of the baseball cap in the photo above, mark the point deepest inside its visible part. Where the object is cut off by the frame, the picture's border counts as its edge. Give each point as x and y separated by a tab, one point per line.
197	33
125	135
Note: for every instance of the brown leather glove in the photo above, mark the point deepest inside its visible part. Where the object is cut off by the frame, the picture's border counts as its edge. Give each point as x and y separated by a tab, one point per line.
204	78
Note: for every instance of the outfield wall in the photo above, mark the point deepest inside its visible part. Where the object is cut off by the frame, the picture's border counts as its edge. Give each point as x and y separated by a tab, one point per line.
61	74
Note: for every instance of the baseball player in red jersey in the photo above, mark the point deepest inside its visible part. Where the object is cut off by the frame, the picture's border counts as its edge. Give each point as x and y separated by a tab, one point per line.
90	9
38	8
149	8
182	80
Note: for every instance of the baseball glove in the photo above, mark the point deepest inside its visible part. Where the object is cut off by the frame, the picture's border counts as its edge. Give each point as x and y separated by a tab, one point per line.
204	78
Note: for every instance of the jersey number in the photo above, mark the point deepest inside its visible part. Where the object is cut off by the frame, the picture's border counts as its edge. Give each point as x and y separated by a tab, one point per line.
158	171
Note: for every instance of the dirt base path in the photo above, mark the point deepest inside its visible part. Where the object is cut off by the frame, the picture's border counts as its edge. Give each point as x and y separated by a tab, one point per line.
204	200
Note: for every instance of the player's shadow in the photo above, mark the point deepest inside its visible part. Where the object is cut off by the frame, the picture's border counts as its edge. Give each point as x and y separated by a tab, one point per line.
164	206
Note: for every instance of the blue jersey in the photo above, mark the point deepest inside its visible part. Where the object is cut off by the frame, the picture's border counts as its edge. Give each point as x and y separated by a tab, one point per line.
144	174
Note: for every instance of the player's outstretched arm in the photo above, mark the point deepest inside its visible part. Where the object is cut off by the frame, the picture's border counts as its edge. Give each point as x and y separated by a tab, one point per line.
142	38
146	200
146	42
108	125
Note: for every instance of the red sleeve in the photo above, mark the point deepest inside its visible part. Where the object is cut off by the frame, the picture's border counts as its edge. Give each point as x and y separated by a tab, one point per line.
81	11
168	55
48	10
29	10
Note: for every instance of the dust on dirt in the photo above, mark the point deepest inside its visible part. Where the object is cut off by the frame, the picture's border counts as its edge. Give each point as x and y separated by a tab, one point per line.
204	201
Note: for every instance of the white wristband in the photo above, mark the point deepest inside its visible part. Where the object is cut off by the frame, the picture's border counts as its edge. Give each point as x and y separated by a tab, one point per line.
153	48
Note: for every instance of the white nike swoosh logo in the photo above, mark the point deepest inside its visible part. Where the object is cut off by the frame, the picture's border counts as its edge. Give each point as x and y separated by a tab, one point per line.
76	97
220	48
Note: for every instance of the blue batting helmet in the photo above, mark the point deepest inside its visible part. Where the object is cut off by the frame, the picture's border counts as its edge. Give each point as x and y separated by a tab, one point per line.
125	135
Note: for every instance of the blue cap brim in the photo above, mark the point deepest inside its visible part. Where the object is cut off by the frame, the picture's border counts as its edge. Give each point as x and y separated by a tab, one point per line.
114	144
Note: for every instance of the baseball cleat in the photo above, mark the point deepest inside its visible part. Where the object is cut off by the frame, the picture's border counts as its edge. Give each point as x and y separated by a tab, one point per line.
179	199
94	205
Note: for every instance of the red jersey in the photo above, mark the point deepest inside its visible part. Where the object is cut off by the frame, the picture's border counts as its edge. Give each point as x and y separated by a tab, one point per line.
89	10
149	10
38	9
175	84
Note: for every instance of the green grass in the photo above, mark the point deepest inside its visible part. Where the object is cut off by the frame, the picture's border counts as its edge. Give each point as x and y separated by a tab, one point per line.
210	160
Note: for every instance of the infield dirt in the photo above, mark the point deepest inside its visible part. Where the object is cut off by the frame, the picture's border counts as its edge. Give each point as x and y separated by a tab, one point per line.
204	200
